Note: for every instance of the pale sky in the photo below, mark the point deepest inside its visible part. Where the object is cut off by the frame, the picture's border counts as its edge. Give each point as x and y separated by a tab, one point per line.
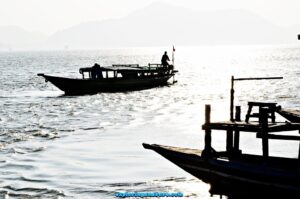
49	16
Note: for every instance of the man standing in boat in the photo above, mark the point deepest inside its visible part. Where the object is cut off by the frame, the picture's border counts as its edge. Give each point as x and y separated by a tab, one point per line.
164	60
96	72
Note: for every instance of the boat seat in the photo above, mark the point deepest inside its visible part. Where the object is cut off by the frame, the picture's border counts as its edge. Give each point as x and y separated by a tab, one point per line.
270	106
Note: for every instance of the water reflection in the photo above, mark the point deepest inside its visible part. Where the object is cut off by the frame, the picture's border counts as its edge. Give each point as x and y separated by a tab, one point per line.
239	190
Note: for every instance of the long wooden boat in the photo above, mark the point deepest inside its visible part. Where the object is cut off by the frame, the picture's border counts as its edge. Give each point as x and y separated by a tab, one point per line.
115	78
238	174
291	115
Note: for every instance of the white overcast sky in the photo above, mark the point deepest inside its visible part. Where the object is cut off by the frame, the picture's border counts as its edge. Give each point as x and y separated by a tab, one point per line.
49	16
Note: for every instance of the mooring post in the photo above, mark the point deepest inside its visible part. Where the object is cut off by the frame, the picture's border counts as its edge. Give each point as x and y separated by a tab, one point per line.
229	141
264	131
237	133
238	113
207	139
299	150
231	98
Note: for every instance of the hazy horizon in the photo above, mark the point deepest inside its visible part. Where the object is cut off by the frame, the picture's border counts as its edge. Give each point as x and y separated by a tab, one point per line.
50	16
93	24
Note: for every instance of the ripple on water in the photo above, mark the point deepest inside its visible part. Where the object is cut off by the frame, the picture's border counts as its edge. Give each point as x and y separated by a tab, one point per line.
29	192
10	136
35	114
171	184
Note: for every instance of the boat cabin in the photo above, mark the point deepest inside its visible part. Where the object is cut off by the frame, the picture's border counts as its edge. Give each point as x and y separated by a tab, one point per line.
128	71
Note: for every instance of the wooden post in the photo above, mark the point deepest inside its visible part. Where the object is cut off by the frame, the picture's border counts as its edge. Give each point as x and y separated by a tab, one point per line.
237	133
207	139
299	150
264	131
231	98
243	79
238	113
229	141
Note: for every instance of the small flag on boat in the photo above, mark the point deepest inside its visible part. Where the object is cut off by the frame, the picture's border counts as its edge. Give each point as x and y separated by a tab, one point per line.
173	55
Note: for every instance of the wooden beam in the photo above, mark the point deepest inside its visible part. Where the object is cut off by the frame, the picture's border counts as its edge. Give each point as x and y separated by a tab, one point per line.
207	139
236	140
256	78
229	141
231	98
280	137
264	132
299	149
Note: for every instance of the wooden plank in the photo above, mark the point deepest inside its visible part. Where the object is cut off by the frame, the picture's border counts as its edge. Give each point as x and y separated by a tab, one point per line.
270	104
256	78
284	127
280	137
251	126
241	126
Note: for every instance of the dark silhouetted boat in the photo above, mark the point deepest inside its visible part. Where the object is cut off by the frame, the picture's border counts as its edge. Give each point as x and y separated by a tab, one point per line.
116	78
289	114
237	174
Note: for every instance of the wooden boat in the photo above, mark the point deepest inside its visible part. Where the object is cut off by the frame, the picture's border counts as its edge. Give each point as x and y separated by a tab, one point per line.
291	115
115	78
233	173
237	176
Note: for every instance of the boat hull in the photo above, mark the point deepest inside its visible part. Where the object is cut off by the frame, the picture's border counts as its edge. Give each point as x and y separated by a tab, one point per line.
89	86
248	176
291	115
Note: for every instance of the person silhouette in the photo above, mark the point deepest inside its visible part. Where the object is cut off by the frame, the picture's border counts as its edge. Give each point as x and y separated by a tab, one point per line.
96	72
165	58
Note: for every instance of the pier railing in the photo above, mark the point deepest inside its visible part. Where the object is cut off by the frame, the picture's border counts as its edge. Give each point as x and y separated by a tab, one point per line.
264	130
243	79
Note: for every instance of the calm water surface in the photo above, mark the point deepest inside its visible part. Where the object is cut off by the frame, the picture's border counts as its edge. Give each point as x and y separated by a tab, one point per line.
56	146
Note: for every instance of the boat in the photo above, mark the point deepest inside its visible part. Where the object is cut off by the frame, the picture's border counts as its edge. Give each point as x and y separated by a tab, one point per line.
289	114
247	175
238	174
115	78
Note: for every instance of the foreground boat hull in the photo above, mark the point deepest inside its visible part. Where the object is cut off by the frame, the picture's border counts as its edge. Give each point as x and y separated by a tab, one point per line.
291	115
88	86
246	177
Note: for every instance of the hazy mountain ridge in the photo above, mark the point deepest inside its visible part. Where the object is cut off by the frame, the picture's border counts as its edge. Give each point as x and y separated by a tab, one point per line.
13	37
162	24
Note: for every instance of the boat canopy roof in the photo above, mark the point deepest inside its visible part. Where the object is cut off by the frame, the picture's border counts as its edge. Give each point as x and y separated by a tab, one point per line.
125	67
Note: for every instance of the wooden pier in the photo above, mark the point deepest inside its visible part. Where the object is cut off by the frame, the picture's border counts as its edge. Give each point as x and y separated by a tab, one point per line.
234	173
264	130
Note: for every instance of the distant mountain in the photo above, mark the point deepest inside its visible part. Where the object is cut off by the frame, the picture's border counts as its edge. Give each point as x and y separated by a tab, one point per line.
13	37
160	24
